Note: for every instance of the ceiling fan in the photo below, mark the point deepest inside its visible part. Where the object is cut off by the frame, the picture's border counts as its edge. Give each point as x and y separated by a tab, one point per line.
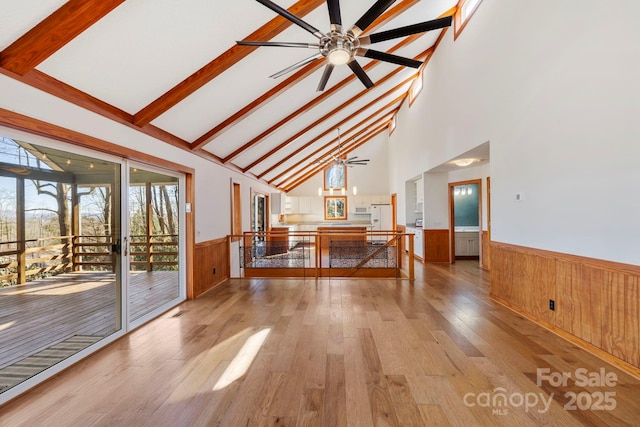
339	160
341	47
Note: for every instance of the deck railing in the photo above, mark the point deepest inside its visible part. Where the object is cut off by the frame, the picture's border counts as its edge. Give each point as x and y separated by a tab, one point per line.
20	261
326	252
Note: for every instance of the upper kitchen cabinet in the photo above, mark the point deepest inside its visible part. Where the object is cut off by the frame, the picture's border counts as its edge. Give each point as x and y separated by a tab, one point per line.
419	195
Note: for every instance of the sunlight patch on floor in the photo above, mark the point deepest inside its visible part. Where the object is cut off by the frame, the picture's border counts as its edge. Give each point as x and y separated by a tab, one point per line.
241	363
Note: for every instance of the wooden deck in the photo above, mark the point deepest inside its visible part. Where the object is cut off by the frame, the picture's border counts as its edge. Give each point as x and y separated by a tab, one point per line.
41	313
339	352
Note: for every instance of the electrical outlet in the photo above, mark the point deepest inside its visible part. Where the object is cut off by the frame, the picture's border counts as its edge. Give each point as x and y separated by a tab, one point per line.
552	305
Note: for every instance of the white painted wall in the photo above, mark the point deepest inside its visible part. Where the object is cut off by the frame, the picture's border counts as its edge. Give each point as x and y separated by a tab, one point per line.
554	87
436	201
212	183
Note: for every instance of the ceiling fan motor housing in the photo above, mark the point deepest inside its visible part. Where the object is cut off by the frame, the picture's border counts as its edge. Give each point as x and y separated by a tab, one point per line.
338	47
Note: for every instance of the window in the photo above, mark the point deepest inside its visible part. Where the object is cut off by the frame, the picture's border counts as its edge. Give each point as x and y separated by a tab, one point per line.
335	207
416	88
335	176
466	8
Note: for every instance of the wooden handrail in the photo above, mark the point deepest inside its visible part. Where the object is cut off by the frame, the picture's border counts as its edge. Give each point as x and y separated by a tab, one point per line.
315	237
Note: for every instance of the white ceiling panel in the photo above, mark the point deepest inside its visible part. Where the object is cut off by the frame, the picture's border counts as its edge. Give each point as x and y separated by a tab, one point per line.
18	17
156	44
144	48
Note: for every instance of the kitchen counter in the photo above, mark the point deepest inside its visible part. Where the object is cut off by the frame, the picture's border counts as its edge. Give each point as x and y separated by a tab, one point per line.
307	225
466	228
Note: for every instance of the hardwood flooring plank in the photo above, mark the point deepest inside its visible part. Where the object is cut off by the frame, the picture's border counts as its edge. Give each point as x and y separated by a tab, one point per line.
358	404
406	408
335	411
433	416
382	409
333	352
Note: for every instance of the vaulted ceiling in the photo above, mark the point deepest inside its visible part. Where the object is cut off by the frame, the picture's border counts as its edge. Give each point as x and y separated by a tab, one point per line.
173	70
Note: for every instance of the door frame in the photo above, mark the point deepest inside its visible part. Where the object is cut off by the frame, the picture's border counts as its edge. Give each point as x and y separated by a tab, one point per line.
49	135
127	165
452	235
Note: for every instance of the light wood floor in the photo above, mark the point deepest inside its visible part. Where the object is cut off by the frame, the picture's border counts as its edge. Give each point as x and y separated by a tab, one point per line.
332	352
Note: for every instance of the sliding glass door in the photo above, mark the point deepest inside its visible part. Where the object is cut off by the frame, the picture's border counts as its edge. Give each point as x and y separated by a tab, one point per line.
83	258
153	241
60	274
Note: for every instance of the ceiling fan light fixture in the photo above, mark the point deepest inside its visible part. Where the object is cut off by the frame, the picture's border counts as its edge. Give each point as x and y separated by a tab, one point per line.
339	56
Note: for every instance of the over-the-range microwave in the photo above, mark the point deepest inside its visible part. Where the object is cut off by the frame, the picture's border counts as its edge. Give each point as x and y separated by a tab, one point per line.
363	209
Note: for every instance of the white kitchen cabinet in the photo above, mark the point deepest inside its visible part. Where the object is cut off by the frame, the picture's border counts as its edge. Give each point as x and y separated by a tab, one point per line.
420	190
361	201
419	195
381	199
290	204
467	244
418	241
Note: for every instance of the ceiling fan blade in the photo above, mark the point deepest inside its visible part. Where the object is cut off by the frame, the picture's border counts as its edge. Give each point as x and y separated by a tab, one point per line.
351	159
278	44
360	73
369	16
296	66
325	77
407	31
334	14
387	57
291	17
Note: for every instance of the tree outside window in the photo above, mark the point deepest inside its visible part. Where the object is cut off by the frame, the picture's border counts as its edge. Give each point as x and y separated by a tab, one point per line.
335	207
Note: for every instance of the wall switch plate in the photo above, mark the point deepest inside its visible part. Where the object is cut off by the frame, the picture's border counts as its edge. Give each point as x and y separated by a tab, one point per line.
519	197
552	305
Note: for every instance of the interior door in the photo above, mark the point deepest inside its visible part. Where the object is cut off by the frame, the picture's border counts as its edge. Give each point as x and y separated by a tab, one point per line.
259	223
154	247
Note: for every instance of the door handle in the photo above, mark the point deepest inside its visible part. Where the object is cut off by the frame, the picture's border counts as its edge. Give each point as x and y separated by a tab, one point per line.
116	248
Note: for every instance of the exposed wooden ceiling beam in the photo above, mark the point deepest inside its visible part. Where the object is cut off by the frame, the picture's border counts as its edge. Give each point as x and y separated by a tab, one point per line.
53	33
300	75
320	98
282	122
70	94
366	125
221	64
254	105
364	140
345	145
328	130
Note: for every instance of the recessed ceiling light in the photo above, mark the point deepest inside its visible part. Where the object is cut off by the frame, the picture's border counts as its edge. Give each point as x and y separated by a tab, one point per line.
464	162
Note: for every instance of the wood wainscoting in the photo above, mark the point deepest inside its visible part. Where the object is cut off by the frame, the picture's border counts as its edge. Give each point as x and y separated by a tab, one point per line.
597	303
211	265
436	245
486	251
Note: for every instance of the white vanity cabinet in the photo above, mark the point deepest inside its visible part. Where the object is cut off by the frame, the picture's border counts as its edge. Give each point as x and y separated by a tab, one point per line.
467	243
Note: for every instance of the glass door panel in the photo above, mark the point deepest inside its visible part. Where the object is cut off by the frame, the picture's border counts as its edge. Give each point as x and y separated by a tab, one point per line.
153	241
60	287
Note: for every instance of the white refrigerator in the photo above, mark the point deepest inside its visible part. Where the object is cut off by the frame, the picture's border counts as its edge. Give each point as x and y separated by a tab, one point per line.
381	218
